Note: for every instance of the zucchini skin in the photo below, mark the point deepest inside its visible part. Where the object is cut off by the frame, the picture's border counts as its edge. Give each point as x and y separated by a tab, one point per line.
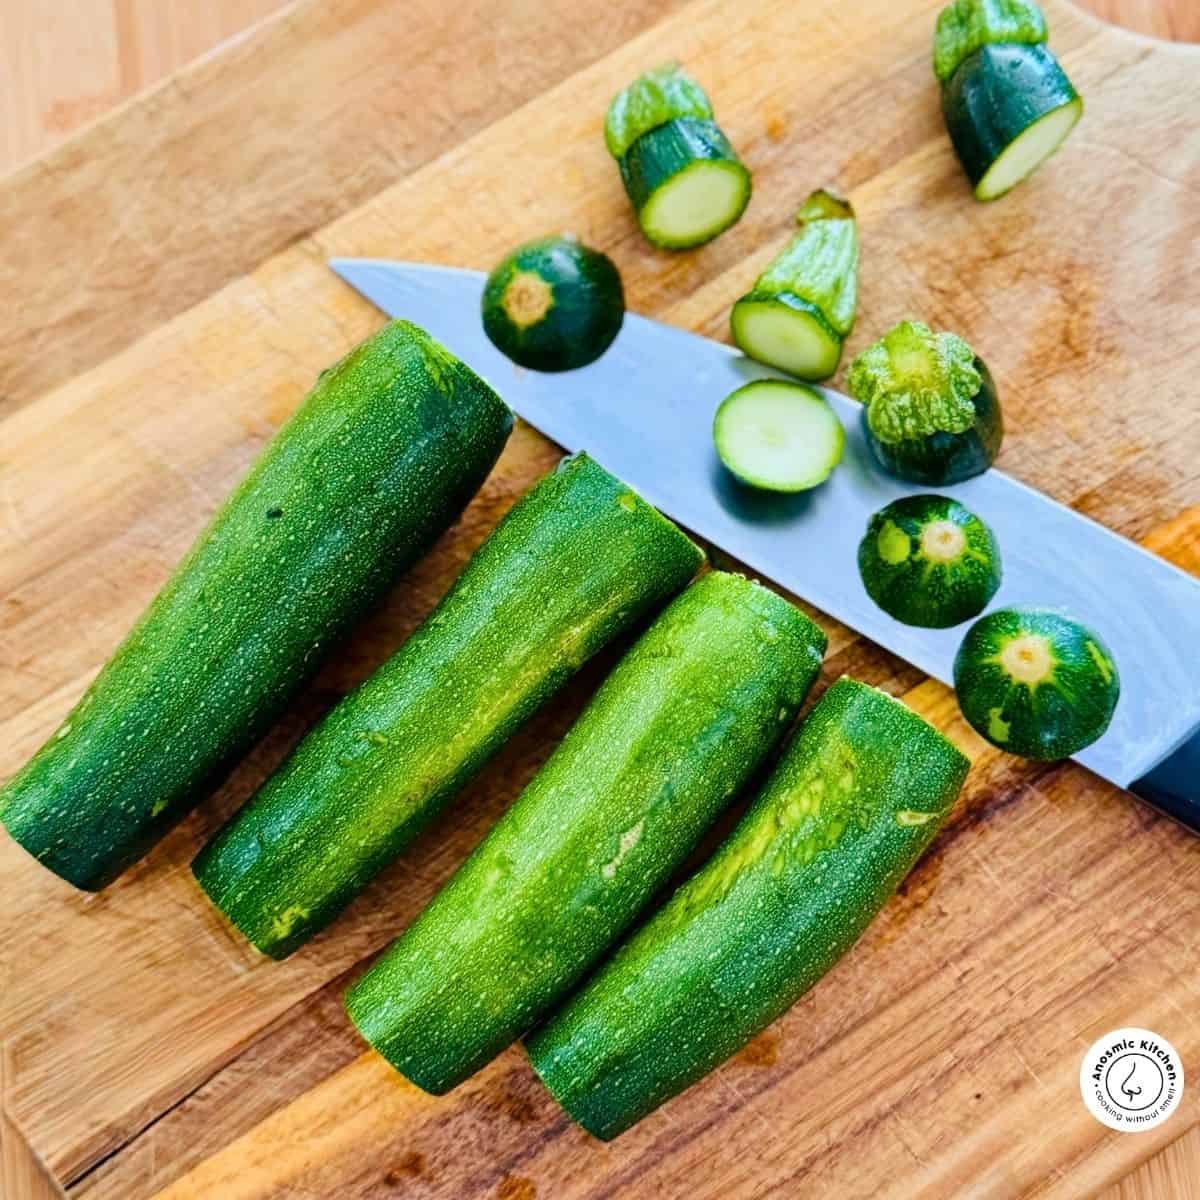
942	458
1057	715
380	458
667	150
995	95
857	796
911	580
586	304
577	561
667	741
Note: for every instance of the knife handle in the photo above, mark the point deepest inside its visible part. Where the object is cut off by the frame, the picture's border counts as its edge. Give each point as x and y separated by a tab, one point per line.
1173	786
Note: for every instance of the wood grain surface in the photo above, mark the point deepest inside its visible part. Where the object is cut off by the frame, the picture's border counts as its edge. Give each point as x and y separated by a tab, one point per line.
145	1047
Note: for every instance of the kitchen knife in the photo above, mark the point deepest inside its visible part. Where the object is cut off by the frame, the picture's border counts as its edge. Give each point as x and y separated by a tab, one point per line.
644	410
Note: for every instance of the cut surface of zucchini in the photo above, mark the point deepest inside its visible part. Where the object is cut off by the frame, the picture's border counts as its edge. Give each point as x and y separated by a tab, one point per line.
1029	151
788	333
686	183
782	437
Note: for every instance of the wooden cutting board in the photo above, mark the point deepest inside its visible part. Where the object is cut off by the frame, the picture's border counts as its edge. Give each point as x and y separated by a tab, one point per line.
144	1047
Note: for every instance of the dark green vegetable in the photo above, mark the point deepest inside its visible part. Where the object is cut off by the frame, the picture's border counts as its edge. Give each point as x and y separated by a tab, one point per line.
931	413
856	798
553	304
802	307
779	436
683	177
1036	683
1007	102
380	458
667	741
927	560
577	561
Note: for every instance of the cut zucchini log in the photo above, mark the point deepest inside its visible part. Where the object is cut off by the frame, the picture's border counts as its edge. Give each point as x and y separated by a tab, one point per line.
782	437
802	307
1007	103
683	177
1007	109
857	796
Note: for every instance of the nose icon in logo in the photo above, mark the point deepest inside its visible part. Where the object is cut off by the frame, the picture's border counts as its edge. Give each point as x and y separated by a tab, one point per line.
1131	1093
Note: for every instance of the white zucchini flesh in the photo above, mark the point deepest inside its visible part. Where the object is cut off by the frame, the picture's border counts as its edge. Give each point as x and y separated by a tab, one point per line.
1028	151
696	204
787	338
782	437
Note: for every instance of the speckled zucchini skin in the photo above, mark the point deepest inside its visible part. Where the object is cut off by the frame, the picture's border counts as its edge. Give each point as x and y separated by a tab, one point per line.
945	458
380	458
577	561
1065	703
858	795
580	291
667	741
929	561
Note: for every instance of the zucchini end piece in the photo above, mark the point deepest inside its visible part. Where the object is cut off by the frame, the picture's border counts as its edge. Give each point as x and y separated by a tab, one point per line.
788	333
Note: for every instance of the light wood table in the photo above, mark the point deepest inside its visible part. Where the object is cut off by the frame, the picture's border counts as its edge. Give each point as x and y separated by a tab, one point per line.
66	65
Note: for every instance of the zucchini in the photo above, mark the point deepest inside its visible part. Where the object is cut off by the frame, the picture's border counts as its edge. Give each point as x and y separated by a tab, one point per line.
782	437
668	740
684	179
802	306
927	560
577	561
1035	682
1007	103
381	457
857	796
931	412
965	26
553	304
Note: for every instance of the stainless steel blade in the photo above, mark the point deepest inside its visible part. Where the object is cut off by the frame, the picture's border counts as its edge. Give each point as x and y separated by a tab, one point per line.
644	410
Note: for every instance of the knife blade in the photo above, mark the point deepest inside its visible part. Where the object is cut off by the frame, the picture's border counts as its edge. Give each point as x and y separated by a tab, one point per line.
644	410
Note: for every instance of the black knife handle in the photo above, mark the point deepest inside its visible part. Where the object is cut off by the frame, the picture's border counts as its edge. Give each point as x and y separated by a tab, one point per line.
1174	785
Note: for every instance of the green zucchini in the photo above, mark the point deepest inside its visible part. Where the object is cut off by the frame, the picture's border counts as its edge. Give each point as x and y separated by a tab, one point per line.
668	740
577	561
1007	103
857	796
927	560
802	306
782	437
1035	682
684	179
381	457
553	304
931	412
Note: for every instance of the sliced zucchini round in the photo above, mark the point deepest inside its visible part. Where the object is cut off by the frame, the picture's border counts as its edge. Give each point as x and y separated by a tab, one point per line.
553	304
782	437
786	332
928	561
1008	107
686	183
1035	682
